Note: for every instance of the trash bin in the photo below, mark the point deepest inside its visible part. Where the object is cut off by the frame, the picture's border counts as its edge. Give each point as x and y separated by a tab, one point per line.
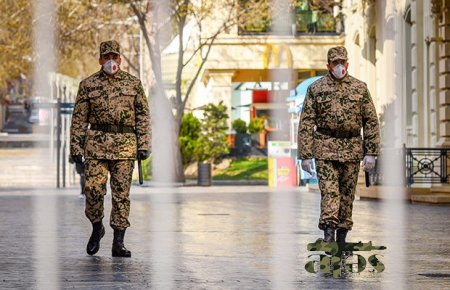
204	174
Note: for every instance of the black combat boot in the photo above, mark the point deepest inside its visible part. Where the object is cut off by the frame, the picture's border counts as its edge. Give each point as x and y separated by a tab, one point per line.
98	231
118	248
341	234
328	233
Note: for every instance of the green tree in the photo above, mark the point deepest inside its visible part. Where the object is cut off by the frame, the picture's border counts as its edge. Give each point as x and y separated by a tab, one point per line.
163	21
16	41
212	142
81	25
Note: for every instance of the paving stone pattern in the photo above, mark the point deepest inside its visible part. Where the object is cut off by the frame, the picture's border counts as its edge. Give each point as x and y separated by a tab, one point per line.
228	237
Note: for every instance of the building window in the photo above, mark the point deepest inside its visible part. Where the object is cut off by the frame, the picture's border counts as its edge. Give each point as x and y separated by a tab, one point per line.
254	16
306	17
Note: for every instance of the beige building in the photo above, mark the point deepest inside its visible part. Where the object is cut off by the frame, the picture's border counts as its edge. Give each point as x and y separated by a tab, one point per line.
402	50
249	56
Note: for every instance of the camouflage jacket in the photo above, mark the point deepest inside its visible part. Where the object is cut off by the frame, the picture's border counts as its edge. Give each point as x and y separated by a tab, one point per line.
118	100
338	106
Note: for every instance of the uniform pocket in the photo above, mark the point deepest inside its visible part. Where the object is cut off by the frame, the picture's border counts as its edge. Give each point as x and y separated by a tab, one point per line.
324	97
128	91
95	95
353	104
95	145
324	103
123	104
355	97
126	99
99	106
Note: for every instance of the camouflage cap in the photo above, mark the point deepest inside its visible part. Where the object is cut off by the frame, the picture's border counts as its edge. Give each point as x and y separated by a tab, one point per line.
110	46
337	52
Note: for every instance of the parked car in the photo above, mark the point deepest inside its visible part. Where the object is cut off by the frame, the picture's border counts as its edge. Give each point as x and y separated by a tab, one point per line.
16	121
39	115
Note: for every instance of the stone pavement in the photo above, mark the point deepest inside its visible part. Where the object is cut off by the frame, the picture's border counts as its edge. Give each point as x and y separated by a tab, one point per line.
27	168
221	237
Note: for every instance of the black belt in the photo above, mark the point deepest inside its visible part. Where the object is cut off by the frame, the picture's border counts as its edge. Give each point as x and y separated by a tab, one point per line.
339	134
110	128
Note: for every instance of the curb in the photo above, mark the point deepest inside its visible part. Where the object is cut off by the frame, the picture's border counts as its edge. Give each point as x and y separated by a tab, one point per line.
192	182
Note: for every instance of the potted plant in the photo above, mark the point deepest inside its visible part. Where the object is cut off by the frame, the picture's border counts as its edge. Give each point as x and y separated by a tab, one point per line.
212	141
242	138
256	128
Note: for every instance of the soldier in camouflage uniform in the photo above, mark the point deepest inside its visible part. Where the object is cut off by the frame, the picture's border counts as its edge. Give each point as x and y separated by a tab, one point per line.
336	108
110	129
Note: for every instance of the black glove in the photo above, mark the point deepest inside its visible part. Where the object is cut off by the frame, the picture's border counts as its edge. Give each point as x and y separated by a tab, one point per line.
77	158
142	154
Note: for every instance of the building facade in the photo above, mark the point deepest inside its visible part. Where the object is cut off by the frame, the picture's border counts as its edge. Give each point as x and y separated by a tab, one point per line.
401	49
268	57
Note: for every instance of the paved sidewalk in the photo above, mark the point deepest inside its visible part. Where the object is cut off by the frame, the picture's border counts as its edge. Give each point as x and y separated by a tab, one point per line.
27	168
222	237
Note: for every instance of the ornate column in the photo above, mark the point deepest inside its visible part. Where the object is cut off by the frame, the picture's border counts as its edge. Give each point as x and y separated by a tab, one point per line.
441	10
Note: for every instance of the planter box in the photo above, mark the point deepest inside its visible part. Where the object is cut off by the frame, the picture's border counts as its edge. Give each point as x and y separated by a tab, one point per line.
259	139
243	143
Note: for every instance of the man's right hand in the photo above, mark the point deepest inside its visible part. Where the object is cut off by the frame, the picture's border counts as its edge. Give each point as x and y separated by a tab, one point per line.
307	166
77	158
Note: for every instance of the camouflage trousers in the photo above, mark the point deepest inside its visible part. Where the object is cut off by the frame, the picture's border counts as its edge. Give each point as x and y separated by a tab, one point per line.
96	177
337	183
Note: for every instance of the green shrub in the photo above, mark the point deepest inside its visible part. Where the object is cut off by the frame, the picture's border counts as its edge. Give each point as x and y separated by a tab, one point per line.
147	168
256	125
239	126
188	137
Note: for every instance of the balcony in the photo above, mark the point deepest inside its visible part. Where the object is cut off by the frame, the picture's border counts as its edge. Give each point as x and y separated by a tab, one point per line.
302	22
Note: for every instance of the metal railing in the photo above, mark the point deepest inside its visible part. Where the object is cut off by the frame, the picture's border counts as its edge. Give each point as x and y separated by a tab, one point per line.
420	166
427	165
60	107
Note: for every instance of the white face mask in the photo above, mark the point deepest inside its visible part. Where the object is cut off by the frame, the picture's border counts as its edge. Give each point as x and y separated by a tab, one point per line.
110	67
339	71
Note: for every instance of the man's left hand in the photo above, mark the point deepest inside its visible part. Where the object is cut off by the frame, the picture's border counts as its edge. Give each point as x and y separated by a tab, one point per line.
142	155
369	162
